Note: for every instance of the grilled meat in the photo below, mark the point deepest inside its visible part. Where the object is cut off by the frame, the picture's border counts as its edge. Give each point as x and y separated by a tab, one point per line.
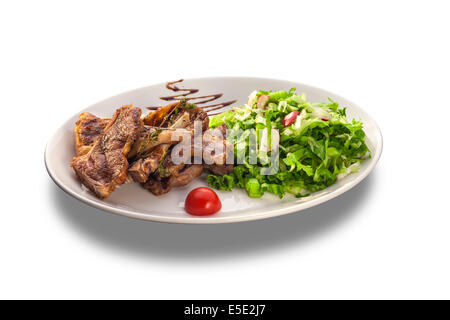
170	175
177	179
158	144
103	146
166	116
189	173
141	168
219	169
152	146
152	137
159	117
87	130
105	165
157	187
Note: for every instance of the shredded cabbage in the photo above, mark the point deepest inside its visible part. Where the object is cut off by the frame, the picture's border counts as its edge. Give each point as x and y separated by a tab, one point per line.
318	148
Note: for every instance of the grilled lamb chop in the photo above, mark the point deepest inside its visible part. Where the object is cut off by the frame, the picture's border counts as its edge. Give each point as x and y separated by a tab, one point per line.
171	175
105	165
154	144
177	179
166	116
150	138
87	129
219	169
141	168
189	173
158	145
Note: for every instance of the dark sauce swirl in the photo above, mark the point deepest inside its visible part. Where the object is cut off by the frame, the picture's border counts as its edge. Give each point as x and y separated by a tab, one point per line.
184	95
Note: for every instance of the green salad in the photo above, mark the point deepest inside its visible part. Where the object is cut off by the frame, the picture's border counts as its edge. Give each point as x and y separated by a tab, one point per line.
317	144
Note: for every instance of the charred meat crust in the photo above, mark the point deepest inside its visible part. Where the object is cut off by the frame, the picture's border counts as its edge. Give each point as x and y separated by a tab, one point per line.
220	170
103	146
150	138
166	116
87	129
142	168
153	146
177	179
105	165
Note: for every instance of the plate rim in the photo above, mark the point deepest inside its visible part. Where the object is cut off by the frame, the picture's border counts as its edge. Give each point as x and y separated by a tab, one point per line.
214	219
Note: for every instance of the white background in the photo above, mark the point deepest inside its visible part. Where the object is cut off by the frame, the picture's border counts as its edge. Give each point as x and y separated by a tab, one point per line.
387	238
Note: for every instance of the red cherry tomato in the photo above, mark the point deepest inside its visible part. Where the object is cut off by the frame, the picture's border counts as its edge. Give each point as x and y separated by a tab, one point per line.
202	202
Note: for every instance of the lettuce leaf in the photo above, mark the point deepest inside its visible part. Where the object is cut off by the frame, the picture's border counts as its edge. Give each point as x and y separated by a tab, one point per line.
314	151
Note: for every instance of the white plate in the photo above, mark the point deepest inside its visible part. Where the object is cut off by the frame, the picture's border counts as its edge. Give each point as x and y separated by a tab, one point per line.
133	201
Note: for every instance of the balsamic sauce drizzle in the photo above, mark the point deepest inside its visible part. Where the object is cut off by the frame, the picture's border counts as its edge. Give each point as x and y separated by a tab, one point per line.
185	96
